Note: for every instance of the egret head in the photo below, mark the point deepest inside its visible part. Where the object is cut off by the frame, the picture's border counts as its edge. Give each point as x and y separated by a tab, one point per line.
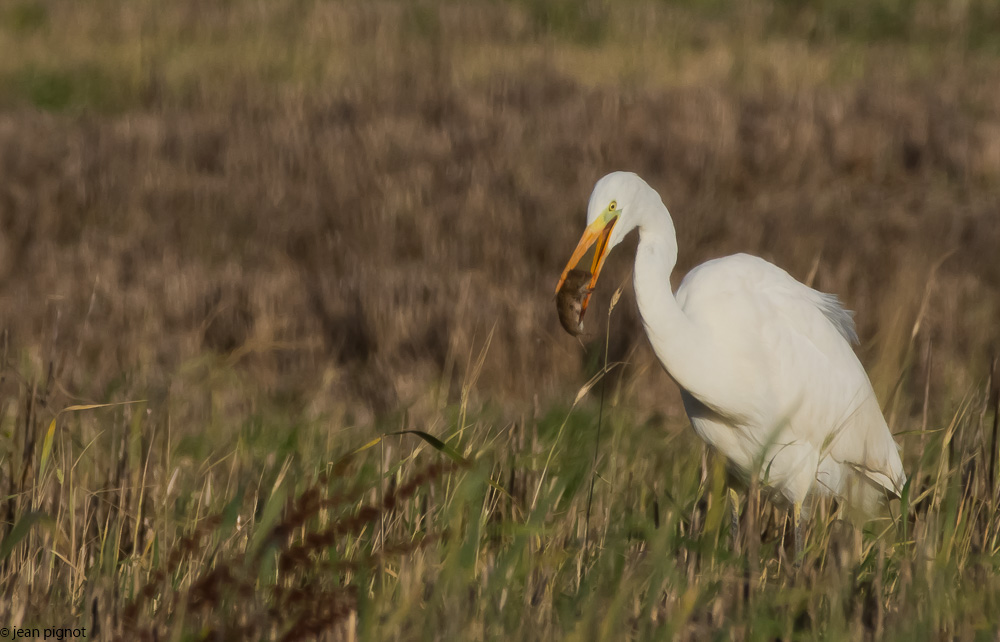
615	209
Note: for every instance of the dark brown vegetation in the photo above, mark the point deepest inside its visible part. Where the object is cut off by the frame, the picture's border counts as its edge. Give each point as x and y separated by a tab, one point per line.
289	249
381	234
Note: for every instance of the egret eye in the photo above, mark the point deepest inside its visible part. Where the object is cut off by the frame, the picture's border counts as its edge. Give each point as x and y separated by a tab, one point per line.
613	206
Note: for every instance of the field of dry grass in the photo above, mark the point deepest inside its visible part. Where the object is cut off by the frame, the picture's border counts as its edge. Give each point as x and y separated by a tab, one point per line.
287	228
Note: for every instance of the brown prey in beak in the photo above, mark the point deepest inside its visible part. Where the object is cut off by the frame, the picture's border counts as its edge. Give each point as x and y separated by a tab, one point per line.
597	232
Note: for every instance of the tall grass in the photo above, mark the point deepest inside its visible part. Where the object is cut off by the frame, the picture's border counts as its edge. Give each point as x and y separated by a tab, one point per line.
287	229
405	541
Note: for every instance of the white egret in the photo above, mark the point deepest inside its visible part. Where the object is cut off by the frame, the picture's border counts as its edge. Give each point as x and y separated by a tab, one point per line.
764	363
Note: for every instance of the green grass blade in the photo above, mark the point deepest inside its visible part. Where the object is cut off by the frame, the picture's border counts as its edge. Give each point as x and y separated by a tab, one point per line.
21	530
51	432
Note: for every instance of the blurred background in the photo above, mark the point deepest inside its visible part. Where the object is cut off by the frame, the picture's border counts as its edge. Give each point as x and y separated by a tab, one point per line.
337	212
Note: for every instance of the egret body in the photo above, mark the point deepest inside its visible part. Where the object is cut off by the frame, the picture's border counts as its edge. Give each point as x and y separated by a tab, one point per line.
764	363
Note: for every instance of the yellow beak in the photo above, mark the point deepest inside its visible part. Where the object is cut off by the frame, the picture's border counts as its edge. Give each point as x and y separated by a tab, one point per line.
597	232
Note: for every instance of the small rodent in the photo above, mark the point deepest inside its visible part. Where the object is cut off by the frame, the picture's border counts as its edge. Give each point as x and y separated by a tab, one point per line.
569	300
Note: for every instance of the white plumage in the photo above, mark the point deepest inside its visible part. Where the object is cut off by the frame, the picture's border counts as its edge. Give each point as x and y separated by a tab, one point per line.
765	364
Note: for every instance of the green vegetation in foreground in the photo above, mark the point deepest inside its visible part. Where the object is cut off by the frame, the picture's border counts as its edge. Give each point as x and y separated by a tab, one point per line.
290	529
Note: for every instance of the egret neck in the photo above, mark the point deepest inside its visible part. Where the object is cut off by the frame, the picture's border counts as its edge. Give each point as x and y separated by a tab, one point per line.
688	356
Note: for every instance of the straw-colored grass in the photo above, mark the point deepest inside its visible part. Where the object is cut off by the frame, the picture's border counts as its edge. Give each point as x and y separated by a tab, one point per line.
283	231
